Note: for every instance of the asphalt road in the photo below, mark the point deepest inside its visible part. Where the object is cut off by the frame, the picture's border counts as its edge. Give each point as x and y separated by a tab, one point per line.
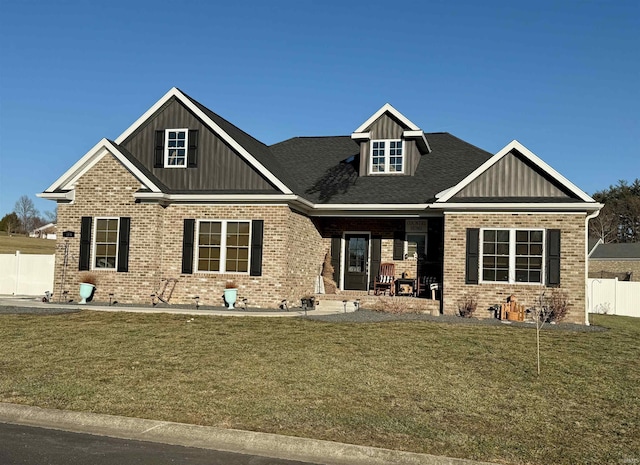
25	445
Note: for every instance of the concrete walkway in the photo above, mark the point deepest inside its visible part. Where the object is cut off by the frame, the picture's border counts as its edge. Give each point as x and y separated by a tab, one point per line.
207	437
327	308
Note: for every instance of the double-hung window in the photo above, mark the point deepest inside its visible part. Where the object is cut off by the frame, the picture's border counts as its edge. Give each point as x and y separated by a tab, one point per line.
387	156
223	246
512	255
175	148
106	243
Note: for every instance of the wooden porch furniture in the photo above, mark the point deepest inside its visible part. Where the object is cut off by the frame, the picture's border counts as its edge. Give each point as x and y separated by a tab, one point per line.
385	280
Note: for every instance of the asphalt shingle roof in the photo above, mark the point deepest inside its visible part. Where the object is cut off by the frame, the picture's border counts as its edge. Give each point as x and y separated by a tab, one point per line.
624	251
326	170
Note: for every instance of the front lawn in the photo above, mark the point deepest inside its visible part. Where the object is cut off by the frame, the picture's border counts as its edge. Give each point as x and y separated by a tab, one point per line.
455	390
26	245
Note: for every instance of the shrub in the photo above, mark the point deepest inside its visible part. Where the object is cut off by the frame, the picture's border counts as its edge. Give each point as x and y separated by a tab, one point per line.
393	306
557	305
467	305
330	286
231	285
88	278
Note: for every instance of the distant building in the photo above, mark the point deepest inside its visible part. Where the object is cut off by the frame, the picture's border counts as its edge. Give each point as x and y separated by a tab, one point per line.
48	231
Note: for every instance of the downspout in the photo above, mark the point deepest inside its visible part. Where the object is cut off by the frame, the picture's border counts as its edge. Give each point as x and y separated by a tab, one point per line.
586	264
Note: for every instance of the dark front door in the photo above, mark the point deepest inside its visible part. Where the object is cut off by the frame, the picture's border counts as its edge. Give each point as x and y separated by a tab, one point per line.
356	262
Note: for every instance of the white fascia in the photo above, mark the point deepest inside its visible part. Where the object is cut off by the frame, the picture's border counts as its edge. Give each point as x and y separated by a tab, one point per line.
514	144
417	135
386	108
361	136
175	92
521	207
257	198
102	148
62	196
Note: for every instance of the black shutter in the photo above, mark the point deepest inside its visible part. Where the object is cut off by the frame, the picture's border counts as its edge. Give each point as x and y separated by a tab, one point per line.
376	258
473	245
188	234
553	257
85	243
123	244
257	233
159	153
192	152
336	242
398	245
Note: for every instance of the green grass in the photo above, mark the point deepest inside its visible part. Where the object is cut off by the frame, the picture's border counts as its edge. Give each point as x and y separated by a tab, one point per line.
455	390
26	245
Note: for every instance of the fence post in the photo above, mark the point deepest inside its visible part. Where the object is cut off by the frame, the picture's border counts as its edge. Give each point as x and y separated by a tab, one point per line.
15	289
615	296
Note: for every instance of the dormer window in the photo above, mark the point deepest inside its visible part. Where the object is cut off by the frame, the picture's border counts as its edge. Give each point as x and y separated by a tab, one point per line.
387	156
175	150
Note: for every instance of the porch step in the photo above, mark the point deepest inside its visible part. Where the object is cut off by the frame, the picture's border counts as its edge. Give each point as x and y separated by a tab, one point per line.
335	305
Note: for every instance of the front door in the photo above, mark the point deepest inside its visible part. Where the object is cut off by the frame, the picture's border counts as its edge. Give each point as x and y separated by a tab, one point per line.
356	267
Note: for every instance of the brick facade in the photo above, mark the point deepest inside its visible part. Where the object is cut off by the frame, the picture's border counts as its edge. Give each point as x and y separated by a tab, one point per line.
572	261
293	251
599	268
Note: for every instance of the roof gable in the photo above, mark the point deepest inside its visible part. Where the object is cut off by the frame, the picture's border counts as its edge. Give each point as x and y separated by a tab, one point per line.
550	177
216	124
387	108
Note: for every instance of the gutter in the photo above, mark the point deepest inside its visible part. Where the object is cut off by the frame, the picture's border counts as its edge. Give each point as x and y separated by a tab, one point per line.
586	265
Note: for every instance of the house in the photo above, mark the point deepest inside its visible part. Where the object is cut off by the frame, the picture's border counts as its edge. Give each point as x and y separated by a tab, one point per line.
620	260
48	231
183	193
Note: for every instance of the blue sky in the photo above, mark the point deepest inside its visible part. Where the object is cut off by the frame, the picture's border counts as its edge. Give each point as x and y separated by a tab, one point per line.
562	77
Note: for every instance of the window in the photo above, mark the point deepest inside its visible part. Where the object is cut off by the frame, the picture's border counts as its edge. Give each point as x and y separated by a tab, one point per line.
387	156
415	246
223	246
175	149
512	255
106	243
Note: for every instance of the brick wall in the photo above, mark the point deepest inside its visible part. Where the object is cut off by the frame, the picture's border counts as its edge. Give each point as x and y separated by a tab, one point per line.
572	261
607	268
293	250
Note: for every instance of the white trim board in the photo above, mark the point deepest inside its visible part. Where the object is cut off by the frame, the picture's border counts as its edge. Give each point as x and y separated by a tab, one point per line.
384	109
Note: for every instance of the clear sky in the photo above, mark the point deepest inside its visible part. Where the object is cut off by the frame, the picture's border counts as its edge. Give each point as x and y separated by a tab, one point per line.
562	77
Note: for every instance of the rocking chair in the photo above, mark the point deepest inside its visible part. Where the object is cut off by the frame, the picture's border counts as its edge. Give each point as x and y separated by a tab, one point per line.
385	280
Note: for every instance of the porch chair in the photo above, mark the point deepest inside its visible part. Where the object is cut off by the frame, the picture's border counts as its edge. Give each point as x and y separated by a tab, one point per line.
426	284
385	280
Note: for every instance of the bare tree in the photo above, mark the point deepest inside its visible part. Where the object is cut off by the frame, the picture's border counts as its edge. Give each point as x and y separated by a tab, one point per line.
605	225
50	216
26	212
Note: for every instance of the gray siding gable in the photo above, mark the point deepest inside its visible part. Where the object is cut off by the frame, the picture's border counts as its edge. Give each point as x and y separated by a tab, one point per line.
513	177
220	168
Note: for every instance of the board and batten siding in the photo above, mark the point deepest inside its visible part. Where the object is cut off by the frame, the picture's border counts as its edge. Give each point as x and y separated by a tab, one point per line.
512	176
387	127
219	167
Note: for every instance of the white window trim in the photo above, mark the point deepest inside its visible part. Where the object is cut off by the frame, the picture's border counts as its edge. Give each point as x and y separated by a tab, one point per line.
512	256
387	156
223	246
94	242
406	244
186	147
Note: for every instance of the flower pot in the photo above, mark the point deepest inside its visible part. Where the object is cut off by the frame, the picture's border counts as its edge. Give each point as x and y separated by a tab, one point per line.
86	290
230	297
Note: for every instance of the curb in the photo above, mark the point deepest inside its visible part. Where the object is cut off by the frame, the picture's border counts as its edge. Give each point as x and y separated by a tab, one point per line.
228	440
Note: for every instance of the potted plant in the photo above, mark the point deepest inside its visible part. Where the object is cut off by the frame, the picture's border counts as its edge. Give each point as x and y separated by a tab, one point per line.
88	283
230	294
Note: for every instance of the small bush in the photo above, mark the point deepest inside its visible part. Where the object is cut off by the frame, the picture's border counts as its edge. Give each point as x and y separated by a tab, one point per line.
393	306
467	306
231	285
557	305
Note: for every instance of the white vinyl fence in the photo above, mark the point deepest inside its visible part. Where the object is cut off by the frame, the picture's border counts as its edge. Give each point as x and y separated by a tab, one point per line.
23	274
613	297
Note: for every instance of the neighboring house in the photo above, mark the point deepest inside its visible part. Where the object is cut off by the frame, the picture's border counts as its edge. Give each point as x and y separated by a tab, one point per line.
183	193
620	261
48	231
